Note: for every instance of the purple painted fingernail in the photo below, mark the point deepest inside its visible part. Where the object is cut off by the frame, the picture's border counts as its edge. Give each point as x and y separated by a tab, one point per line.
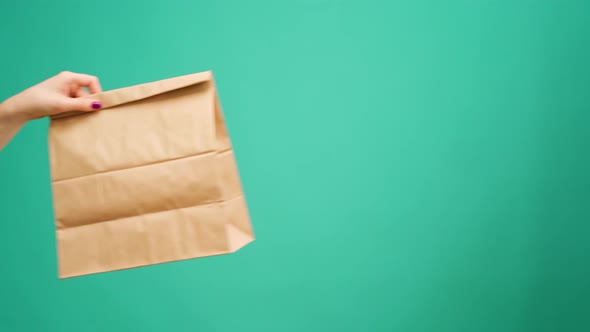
96	105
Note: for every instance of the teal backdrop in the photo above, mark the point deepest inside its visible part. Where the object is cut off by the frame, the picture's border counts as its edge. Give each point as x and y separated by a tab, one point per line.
410	165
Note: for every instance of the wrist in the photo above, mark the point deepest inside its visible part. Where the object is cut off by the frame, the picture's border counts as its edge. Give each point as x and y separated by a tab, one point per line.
10	112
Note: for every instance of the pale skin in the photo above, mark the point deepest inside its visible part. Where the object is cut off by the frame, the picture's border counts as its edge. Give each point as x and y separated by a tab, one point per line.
64	92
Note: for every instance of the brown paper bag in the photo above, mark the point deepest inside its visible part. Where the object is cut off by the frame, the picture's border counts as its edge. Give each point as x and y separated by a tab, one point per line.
149	179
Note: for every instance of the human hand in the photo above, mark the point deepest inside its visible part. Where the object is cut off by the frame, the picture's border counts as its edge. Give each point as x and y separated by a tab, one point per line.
61	93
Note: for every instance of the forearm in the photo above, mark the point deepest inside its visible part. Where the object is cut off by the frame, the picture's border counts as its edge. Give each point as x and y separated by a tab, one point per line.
11	122
61	93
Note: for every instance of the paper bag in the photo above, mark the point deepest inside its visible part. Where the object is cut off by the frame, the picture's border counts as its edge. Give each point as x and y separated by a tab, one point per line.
151	178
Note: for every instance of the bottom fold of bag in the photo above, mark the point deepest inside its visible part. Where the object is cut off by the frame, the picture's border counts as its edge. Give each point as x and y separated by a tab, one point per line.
155	238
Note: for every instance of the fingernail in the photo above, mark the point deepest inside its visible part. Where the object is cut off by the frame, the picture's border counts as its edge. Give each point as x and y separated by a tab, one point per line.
96	105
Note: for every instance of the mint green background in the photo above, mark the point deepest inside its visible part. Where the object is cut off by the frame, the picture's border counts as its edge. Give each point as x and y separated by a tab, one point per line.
409	165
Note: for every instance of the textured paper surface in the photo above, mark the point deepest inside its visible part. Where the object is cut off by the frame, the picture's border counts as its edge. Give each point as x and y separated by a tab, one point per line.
149	179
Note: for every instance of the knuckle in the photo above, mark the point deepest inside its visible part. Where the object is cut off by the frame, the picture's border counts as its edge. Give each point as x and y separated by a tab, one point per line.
66	74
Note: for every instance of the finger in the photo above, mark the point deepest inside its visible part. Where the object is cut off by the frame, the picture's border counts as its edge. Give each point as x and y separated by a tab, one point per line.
80	104
83	80
75	91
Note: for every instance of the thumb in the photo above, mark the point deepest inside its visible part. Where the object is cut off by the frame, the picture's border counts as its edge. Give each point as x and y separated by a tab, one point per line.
82	104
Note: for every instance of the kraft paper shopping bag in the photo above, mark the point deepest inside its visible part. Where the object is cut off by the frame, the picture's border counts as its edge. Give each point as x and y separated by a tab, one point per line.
149	179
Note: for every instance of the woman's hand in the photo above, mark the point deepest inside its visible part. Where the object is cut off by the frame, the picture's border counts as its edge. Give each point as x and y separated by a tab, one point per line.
61	93
64	92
